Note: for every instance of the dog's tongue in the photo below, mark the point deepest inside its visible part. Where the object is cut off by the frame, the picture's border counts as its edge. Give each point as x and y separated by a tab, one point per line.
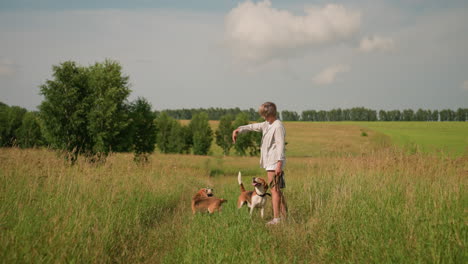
254	184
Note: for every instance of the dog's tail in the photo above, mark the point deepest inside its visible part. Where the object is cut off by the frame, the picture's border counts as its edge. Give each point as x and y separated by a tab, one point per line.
223	200
239	179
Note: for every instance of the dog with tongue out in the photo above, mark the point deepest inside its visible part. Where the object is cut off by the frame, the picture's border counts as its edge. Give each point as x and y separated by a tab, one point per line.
255	198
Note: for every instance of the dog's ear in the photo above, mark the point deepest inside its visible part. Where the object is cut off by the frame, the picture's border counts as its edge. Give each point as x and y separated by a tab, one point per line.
264	183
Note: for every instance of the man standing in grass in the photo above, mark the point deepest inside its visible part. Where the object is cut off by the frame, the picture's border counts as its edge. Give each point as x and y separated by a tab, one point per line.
272	156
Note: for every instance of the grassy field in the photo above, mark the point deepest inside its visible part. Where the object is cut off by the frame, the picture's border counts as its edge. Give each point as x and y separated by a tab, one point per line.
449	138
323	139
352	198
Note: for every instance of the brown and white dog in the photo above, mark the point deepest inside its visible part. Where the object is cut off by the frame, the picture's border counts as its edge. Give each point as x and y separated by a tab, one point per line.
254	199
203	200
203	193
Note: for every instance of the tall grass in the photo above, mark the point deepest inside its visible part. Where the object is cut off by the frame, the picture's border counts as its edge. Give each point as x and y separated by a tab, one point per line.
380	206
352	199
51	212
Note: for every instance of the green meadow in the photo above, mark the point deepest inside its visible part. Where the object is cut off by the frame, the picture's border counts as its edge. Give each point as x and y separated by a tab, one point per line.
449	138
353	196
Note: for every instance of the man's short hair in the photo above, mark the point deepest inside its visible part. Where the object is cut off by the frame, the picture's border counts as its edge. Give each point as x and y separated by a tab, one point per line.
267	109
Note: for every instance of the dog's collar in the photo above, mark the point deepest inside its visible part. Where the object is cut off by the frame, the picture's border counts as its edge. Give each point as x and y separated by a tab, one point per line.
263	195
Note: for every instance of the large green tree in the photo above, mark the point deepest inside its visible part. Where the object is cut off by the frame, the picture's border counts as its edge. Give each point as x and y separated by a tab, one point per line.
107	115
64	109
84	108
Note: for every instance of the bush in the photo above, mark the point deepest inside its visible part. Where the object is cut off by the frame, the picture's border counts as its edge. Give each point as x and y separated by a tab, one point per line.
248	142
170	134
29	133
202	134
224	133
11	119
143	128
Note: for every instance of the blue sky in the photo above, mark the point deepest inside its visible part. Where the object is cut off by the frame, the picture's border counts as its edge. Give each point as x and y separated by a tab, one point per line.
212	53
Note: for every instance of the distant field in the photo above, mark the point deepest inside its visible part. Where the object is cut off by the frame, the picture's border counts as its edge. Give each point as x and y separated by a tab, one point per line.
448	137
327	139
318	139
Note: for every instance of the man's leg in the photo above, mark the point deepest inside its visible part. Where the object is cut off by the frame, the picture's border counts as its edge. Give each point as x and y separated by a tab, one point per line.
275	195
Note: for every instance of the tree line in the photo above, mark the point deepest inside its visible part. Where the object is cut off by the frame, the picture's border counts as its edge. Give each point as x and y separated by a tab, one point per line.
86	112
143	132
213	113
347	114
364	114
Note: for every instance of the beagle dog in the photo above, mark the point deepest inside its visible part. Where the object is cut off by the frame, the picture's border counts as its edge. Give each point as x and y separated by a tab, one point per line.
203	200
254	199
203	193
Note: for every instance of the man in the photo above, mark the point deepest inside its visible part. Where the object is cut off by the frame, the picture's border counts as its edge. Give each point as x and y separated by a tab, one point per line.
272	156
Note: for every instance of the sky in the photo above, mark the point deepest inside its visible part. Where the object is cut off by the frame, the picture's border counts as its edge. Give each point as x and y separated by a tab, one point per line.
302	55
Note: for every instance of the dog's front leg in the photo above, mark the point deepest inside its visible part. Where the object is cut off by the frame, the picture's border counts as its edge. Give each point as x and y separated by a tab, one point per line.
251	210
261	211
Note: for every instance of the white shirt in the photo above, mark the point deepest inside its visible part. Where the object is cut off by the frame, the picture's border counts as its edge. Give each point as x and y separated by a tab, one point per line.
273	140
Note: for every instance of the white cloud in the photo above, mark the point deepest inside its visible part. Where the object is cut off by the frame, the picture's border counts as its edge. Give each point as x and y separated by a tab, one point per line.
465	85
328	75
258	32
168	53
376	43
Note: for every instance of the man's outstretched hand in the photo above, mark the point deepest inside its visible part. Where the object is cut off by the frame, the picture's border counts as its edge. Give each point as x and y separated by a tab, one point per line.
234	135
